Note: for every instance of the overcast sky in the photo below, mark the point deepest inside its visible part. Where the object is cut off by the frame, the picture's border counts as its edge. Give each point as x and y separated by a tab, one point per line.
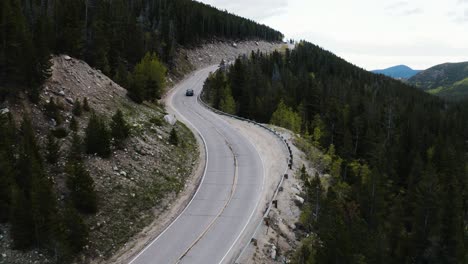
371	34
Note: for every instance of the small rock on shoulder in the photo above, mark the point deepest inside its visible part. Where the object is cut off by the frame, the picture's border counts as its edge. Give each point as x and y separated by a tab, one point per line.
170	119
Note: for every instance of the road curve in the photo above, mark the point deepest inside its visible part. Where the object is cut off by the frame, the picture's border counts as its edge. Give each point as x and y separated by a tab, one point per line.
224	205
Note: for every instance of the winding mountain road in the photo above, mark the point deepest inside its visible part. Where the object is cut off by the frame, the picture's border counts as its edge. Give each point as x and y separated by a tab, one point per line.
217	221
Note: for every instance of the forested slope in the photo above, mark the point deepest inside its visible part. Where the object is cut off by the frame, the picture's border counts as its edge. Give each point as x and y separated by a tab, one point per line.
110	35
73	161
396	155
448	80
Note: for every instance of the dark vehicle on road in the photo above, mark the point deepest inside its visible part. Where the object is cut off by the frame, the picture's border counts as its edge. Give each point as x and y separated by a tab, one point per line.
189	92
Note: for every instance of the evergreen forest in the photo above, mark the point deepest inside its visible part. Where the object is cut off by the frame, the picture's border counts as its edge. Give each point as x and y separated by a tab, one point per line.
395	158
111	35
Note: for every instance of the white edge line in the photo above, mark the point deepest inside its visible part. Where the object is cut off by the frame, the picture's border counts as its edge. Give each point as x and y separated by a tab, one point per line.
199	186
256	207
253	212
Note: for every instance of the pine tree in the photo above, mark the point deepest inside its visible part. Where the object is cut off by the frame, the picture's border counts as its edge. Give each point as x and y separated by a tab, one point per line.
16	44
81	187
7	162
22	225
77	110
34	194
227	103
119	128
174	138
43	206
41	61
121	75
74	124
28	156
69	27
86	106
73	233
97	137
53	149
76	149
53	111
6	181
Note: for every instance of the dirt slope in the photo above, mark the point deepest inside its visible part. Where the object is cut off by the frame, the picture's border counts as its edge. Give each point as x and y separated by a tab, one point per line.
136	184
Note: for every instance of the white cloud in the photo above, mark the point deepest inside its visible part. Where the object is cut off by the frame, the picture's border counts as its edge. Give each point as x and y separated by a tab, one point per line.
397	5
402	8
371	34
413	11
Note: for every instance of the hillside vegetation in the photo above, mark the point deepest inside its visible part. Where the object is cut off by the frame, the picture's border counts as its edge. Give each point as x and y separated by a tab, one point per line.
396	156
449	80
83	168
112	36
105	162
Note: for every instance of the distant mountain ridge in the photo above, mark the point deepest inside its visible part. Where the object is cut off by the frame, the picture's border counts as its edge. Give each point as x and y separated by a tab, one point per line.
448	80
398	72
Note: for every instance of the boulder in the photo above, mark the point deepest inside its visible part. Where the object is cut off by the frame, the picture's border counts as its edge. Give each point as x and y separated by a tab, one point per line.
298	199
67	58
295	190
4	111
70	100
170	119
273	252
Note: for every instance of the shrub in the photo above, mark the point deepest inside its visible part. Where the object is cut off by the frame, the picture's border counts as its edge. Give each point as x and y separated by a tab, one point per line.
119	128
77	110
74	124
53	149
81	187
174	138
86	106
157	121
97	137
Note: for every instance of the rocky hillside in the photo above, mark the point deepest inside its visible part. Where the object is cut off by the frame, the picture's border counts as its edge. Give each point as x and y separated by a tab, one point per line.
212	52
134	184
449	80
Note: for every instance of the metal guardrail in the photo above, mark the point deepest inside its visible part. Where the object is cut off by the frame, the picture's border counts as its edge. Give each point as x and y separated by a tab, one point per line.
289	161
274	132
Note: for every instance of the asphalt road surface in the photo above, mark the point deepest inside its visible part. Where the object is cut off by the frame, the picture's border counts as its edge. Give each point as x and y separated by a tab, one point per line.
212	227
